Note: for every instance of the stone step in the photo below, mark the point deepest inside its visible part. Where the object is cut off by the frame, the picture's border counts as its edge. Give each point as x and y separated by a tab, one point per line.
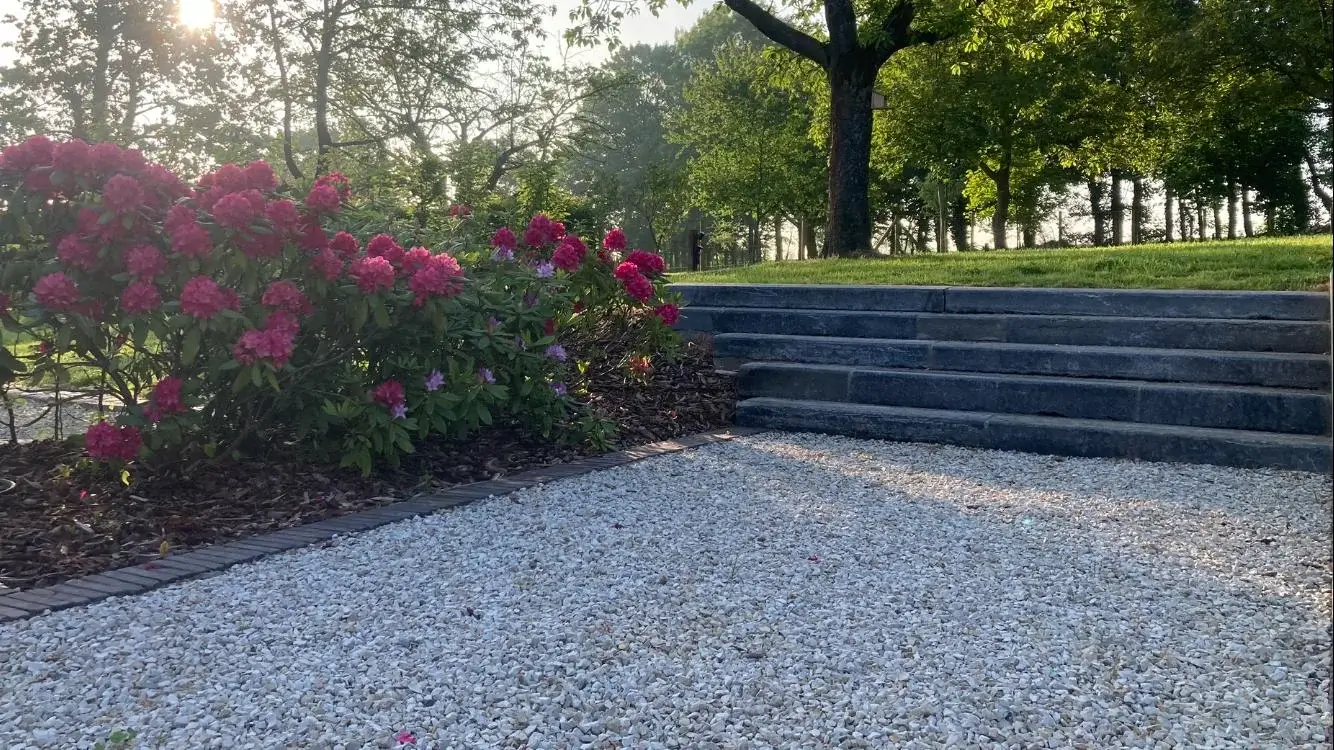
1049	435
1233	407
1311	371
1146	303
1167	333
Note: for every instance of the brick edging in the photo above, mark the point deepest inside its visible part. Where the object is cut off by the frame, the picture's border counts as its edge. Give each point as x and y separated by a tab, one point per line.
213	559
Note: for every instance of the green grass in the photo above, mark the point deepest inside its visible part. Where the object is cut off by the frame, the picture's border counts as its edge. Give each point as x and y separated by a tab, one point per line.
1279	263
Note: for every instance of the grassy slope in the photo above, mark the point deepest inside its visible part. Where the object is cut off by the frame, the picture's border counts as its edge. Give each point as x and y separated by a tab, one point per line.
1285	263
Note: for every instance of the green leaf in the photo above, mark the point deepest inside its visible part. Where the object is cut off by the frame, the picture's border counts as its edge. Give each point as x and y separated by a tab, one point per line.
11	363
272	378
381	314
484	414
190	347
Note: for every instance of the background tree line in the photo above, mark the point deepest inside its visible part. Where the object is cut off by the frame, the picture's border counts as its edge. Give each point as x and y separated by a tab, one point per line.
1005	122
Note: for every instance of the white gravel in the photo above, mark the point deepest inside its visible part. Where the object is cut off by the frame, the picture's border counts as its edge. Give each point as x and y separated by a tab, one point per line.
785	591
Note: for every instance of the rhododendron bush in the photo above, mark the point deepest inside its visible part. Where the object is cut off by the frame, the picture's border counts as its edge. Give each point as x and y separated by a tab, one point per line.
232	314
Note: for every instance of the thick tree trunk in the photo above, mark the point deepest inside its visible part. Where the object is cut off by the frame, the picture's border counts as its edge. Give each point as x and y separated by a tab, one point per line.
1096	212
778	239
289	158
1030	235
1118	209
1169	195
320	101
105	21
959	223
1184	220
1001	176
1246	227
1202	226
1231	207
1218	221
1137	210
807	239
1271	217
1326	199
848	231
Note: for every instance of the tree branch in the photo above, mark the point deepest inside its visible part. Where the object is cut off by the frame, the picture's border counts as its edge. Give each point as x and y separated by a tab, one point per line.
780	32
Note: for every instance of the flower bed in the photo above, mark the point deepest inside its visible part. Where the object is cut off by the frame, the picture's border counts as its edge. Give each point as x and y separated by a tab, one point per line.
241	332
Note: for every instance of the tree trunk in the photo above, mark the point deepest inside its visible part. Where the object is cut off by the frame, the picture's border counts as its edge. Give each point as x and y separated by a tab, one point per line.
104	19
320	101
1169	195
1202	226
1246	227
1137	212
942	220
778	239
1218	221
1231	207
1183	217
848	230
1118	208
1030	235
1325	198
1096	212
1271	216
289	158
1001	176
959	223
807	239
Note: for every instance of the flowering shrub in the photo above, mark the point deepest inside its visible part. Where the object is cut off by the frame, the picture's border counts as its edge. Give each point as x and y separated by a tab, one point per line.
227	316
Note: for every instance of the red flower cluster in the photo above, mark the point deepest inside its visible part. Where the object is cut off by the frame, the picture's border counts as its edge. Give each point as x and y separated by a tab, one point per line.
122	194
323	199
543	231
650	264
460	211
635	282
229	178
385	246
239	210
126	181
615	240
504	238
284	216
285	295
327	262
668	312
339	182
106	443
373	273
144	261
416	259
390	393
202	298
345	245
75	253
442	276
569	254
274	342
56	291
140	296
165	399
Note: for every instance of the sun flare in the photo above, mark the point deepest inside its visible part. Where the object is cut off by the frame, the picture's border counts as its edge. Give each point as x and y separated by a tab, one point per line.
196	14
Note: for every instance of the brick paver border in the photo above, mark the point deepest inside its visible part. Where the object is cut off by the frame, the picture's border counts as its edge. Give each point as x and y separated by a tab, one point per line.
212	560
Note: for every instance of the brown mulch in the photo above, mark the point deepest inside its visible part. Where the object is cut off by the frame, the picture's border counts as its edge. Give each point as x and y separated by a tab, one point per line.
62	521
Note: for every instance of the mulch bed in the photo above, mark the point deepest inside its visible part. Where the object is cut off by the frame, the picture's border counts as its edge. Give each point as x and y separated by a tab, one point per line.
59	523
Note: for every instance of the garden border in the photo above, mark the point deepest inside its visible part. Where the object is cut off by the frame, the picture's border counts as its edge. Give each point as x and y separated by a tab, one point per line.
211	560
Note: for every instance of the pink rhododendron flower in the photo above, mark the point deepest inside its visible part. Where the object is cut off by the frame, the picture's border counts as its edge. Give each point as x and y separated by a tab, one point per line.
73	156
166	397
639	288
668	312
313	237
338	181
192	240
237	210
145	261
229	177
274	342
441	277
283	321
542	231
76	253
178	217
327	262
569	254
122	194
106	443
259	175
283	215
416	259
323	199
286	296
56	291
389	393
434	381
202	298
37	151
648	263
345	245
373	274
504	238
140	296
384	246
44	348
615	240
626	271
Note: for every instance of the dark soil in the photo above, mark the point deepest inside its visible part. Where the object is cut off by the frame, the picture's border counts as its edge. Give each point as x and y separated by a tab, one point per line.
66	518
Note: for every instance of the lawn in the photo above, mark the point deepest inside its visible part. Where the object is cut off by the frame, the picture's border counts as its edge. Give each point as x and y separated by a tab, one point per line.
1281	263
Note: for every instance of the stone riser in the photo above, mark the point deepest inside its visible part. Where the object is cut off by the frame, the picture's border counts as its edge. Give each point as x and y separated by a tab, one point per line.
1049	435
1167	333
1097	302
1228	407
1241	368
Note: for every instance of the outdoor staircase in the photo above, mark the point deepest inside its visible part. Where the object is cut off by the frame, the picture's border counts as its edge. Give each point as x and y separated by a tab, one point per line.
1230	378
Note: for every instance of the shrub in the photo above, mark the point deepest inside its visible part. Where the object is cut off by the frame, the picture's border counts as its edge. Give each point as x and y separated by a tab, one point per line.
229	315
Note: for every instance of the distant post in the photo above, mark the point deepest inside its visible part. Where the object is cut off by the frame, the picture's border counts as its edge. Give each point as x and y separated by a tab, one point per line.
696	254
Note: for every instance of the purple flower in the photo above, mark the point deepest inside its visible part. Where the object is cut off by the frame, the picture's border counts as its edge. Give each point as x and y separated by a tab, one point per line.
492	323
486	375
559	388
545	270
400	410
556	352
503	253
519	342
434	381
530	300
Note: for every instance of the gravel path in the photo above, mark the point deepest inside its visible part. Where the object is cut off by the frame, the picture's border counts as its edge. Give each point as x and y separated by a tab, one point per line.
785	591
35	419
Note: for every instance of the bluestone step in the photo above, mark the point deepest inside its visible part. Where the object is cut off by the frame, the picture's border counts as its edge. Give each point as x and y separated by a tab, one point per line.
1147	303
1179	333
1167	365
1230	407
1049	435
